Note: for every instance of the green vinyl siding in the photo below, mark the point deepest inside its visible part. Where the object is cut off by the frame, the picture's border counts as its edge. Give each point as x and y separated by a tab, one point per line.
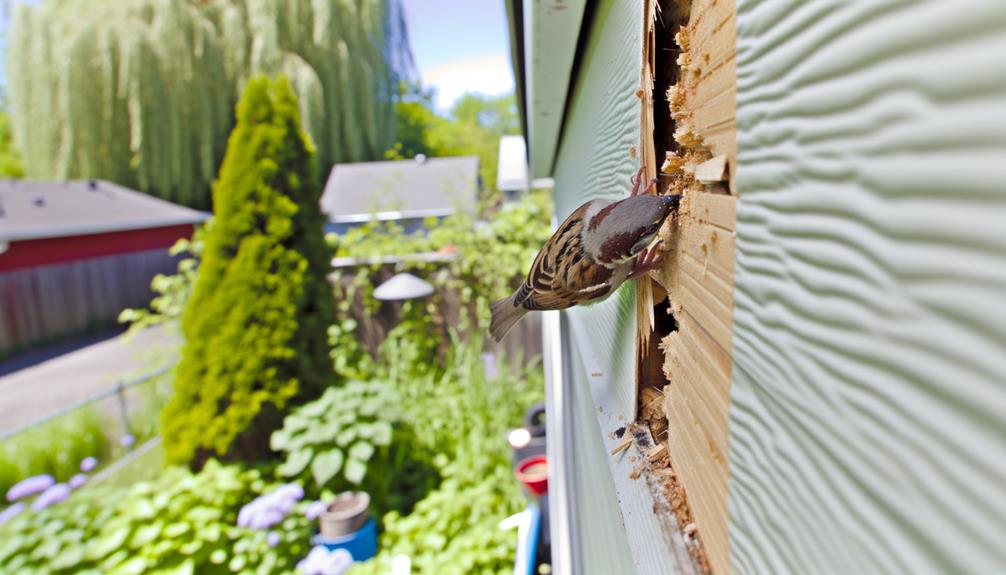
869	381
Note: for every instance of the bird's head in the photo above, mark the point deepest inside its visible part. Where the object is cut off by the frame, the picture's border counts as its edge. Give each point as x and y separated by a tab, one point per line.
616	232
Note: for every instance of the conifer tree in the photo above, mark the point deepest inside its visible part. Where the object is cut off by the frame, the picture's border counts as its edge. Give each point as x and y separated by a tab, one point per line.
255	326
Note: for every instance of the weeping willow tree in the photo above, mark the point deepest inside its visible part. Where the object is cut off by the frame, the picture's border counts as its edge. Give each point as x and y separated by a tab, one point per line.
142	92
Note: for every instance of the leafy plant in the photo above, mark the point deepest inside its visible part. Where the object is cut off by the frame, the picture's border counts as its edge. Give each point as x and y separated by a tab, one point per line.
453	531
255	325
173	290
464	413
338	433
352	437
55	448
180	523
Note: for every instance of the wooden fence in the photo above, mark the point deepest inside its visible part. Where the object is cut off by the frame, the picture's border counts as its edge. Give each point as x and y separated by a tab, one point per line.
51	302
524	340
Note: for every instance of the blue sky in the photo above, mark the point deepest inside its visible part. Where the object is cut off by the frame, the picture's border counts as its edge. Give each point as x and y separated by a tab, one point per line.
460	46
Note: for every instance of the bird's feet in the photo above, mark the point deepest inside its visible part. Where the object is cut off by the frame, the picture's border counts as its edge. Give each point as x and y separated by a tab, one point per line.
648	261
637	184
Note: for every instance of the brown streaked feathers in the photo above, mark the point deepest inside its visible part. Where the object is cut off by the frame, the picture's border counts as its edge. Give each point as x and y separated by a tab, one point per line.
588	257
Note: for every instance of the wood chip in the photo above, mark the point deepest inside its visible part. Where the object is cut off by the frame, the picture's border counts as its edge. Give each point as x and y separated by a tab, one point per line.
622	446
655	453
714	170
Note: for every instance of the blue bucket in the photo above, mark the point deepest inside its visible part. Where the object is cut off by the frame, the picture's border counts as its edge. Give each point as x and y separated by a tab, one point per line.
362	544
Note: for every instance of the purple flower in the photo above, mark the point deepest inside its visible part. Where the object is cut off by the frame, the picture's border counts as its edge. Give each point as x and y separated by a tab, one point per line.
290	491
272	539
30	486
270	508
77	481
315	509
321	561
127	441
11	512
88	464
51	496
489	363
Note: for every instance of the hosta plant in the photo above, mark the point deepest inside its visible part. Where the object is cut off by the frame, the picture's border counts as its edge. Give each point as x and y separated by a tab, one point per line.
338	434
180	523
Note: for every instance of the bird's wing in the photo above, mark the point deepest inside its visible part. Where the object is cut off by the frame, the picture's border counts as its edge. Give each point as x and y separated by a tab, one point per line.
563	274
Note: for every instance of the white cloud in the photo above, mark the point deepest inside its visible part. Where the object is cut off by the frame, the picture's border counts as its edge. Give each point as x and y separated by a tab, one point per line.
488	75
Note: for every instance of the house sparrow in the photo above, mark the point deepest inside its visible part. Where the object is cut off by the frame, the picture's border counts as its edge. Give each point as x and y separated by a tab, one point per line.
600	245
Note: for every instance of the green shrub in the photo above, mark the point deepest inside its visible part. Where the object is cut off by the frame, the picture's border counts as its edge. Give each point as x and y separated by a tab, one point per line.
352	437
464	415
56	447
255	324
337	434
453	531
180	523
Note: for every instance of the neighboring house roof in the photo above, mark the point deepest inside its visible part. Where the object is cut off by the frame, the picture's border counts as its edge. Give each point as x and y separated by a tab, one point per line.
511	173
35	209
400	189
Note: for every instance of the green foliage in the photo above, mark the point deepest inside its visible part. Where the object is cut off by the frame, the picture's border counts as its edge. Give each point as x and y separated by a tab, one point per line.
180	523
338	433
56	447
492	257
454	531
145	90
11	165
465	415
352	437
255	325
474	127
173	290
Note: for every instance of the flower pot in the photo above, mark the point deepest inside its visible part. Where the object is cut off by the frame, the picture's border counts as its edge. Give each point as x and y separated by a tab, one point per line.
361	544
533	473
345	515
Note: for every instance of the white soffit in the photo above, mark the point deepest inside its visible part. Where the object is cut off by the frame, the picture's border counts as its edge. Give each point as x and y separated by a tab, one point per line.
551	30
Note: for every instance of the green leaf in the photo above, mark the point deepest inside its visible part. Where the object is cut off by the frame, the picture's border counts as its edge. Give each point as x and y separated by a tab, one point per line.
145	534
361	451
70	557
355	471
381	433
107	542
296	462
218	556
134	566
280	440
326	465
176	530
346	437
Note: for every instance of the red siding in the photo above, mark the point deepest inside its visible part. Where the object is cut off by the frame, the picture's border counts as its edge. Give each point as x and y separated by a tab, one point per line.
40	252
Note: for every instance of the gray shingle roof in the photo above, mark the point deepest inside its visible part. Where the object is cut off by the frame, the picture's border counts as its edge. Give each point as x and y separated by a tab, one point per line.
43	209
400	189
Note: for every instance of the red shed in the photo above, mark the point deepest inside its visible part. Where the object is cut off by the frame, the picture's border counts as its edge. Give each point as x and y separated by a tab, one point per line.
74	254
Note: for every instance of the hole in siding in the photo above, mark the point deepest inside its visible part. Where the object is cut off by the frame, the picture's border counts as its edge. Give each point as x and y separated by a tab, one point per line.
651	372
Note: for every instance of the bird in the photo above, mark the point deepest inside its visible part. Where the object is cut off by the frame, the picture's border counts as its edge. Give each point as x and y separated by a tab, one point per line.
599	246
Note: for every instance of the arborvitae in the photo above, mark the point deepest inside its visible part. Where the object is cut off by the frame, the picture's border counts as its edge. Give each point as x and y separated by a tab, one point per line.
255	326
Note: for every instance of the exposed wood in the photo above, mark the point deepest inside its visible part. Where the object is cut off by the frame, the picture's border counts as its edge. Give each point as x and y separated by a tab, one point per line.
716	209
714	170
698	272
868	397
644	287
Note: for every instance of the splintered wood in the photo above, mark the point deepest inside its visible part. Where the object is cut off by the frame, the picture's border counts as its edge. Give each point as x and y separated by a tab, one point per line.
698	273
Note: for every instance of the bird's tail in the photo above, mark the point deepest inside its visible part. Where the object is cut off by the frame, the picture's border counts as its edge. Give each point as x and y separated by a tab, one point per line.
505	316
